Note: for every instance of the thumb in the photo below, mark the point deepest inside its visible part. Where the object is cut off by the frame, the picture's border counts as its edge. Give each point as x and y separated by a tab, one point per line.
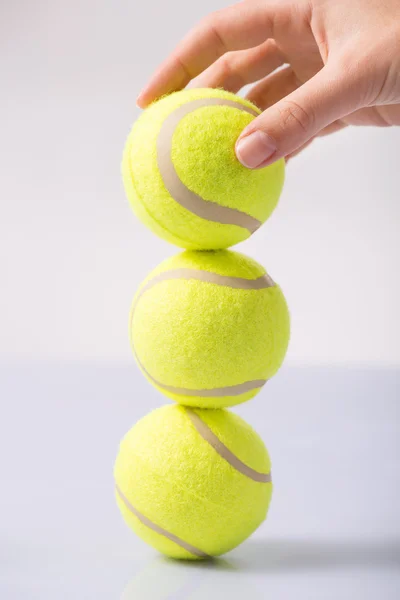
294	120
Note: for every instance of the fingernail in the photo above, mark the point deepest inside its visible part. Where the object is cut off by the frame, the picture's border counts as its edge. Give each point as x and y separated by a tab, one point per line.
255	149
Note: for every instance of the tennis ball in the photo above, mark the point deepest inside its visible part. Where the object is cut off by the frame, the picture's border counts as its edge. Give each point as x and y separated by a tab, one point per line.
193	483
182	176
209	328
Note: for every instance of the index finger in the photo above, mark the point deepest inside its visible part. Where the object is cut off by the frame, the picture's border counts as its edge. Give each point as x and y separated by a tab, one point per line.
238	27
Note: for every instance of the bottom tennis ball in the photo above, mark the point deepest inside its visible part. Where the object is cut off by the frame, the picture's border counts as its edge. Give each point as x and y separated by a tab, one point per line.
193	483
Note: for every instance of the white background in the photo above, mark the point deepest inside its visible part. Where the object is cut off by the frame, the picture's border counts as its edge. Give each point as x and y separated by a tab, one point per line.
71	251
71	257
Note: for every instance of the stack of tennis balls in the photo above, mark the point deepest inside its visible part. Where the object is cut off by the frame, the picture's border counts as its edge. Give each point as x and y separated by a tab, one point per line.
208	328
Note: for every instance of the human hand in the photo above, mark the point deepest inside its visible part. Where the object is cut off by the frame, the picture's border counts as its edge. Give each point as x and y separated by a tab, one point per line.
339	59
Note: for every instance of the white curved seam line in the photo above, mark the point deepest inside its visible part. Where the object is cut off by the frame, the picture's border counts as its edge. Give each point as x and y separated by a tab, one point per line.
194	203
160	530
209	436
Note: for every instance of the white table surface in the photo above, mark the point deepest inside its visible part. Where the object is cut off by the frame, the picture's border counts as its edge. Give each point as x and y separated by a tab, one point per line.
333	530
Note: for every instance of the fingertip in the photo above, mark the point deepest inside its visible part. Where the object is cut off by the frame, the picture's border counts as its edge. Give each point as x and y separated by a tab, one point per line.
146	96
153	89
141	101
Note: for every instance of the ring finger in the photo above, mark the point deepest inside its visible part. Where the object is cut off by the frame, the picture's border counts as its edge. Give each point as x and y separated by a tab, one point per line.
236	69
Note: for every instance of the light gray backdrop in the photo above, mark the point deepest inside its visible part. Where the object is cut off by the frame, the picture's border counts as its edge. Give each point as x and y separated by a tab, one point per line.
71	251
71	257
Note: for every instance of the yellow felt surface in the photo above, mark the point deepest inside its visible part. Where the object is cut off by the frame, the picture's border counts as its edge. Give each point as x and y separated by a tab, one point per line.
199	335
217	175
204	157
177	480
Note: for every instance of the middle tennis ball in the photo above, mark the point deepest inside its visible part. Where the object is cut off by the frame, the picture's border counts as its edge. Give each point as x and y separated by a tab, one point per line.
208	329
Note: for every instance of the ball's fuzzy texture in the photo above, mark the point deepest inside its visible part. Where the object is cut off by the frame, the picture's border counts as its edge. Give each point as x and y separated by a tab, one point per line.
193	483
182	176
208	329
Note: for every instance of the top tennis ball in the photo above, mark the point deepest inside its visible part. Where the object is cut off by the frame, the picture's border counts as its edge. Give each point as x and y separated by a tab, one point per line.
182	176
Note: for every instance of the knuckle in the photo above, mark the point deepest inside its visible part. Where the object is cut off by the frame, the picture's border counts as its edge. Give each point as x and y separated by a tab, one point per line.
229	71
267	47
292	114
207	22
225	65
180	63
211	25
